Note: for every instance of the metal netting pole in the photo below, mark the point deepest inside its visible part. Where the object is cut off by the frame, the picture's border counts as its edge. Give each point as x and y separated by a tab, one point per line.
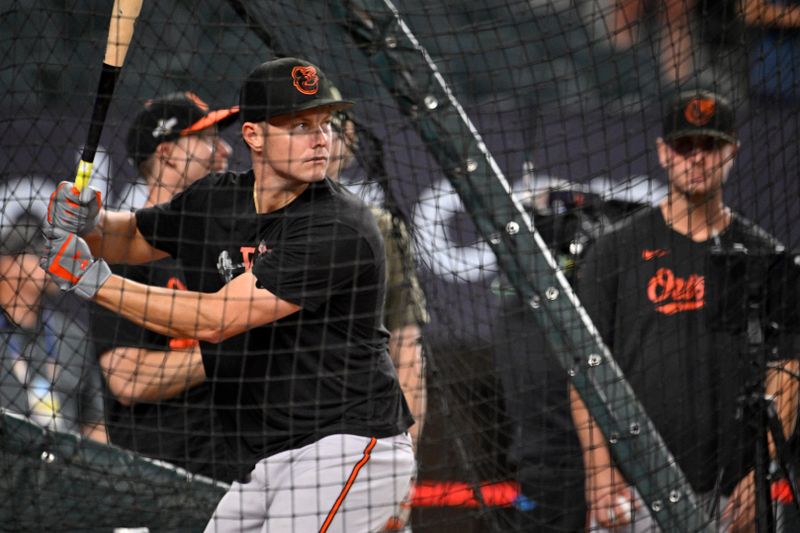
423	95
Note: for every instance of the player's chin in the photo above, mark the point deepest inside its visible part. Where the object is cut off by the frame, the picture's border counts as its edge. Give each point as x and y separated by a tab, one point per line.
314	171
317	175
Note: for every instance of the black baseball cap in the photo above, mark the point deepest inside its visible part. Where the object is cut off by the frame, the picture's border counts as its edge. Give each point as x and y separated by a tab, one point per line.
699	112
284	86
169	117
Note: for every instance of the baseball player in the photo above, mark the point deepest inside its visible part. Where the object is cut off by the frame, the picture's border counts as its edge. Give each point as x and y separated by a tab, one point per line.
644	284
160	403
286	275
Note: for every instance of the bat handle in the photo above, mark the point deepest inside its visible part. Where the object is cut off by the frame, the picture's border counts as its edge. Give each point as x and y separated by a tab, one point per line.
84	172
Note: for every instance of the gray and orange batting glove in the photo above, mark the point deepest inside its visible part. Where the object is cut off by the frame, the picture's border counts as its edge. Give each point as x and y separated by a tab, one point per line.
74	211
69	261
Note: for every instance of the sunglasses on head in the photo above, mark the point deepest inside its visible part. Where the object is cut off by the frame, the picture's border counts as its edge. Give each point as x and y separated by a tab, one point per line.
688	145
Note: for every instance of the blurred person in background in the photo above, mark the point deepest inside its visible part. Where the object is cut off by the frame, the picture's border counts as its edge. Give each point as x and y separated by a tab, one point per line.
678	51
643	283
159	403
49	373
774	48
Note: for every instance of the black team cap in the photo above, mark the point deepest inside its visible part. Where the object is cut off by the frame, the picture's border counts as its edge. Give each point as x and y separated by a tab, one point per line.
699	112
285	86
169	117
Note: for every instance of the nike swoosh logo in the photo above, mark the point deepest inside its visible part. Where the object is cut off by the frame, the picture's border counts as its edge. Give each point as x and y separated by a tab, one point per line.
648	255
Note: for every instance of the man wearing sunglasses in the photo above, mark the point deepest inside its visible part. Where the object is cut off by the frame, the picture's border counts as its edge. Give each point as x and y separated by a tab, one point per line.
643	283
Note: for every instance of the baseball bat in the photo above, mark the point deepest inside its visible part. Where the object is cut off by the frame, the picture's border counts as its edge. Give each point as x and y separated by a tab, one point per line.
120	33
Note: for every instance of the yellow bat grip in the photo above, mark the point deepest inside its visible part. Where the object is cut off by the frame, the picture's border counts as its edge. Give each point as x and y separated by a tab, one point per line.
84	172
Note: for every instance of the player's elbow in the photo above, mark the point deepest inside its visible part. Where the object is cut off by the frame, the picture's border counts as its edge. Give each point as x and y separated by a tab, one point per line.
215	330
122	390
215	335
118	377
125	400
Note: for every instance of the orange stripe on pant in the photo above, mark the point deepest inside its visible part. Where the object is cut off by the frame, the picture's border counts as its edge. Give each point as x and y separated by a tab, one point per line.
346	488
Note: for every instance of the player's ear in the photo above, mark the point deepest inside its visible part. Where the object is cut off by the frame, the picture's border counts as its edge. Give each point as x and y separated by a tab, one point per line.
253	136
164	153
663	152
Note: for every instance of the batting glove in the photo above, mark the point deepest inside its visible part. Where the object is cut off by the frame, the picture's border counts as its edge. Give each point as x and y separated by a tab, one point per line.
69	260
74	211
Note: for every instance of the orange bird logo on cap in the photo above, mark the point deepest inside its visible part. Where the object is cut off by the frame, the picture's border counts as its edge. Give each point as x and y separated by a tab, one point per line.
699	111
306	79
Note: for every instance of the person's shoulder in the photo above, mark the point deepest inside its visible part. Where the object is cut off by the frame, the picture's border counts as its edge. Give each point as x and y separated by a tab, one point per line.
217	181
643	217
616	241
218	187
342	195
752	235
338	202
382	215
387	223
344	213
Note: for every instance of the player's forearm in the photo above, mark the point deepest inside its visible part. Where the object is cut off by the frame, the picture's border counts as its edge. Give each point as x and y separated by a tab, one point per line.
782	386
596	455
174	313
212	317
116	239
406	352
136	375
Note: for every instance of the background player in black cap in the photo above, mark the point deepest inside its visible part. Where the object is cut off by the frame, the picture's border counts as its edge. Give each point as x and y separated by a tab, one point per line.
286	273
643	283
159	404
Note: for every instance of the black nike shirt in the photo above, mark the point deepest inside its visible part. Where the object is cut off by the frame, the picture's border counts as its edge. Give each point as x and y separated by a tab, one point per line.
180	430
645	287
323	370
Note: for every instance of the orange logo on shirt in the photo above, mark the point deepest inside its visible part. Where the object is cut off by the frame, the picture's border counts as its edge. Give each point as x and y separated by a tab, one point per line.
247	255
648	255
673	294
179	344
175	283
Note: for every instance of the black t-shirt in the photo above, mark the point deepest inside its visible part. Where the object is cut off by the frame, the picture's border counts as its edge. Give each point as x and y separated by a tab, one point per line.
544	446
644	286
180	430
320	371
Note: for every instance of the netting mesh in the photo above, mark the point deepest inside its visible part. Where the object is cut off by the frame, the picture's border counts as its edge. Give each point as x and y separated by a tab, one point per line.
497	142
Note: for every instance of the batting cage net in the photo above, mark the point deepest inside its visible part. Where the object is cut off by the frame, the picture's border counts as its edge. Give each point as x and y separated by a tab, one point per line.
557	235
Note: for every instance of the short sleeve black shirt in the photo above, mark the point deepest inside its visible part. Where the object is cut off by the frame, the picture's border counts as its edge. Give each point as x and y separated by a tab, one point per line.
644	286
180	430
320	371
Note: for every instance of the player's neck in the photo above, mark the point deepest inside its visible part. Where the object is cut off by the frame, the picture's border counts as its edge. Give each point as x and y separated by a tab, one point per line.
163	185
158	195
698	220
272	192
